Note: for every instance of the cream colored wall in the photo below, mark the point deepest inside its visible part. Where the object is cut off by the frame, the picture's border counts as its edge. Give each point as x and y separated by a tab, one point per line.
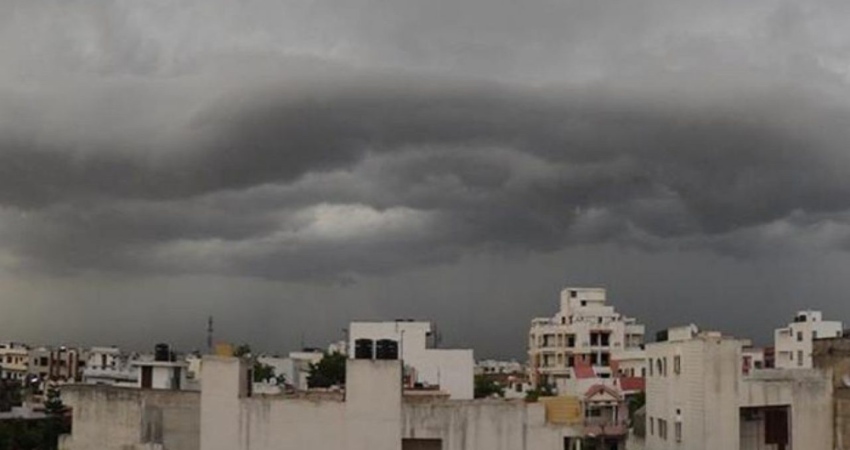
111	418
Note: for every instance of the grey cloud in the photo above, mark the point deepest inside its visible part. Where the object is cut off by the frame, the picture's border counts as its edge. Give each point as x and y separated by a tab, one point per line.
449	166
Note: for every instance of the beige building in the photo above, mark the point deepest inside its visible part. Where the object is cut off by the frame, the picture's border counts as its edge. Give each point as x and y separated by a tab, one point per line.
833	355
793	343
14	361
585	334
698	398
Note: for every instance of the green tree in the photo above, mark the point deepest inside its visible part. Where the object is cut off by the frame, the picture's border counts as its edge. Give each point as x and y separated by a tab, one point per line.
486	387
329	371
263	372
243	350
55	424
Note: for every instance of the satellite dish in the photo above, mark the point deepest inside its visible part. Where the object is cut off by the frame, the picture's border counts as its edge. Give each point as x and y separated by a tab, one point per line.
846	380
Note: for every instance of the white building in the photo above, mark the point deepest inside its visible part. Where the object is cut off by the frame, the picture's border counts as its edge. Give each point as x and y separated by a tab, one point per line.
698	398
14	361
450	370
793	343
108	365
582	339
154	374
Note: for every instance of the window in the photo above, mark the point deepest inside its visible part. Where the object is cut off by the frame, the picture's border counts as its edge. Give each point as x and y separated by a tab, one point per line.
605	338
605	359
799	357
651	426
649	363
594	339
814	334
678	431
658	367
665	366
799	336
571	340
594	359
574	294
662	429
570	361
677	364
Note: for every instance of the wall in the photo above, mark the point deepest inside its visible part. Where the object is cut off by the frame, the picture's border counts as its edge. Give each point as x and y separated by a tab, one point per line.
111	418
834	355
483	425
368	419
809	395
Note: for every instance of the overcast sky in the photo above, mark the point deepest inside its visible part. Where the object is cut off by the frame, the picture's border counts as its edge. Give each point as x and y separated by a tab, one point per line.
290	165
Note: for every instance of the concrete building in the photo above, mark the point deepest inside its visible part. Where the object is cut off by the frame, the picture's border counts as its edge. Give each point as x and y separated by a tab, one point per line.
372	413
698	398
833	355
14	361
154	374
592	353
584	333
109	366
450	370
61	364
793	343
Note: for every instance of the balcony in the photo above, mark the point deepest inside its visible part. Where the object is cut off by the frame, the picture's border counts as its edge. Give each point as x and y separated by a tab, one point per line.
605	426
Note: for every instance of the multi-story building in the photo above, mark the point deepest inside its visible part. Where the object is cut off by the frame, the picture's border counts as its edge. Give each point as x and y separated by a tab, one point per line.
697	397
450	370
793	343
14	361
55	364
581	339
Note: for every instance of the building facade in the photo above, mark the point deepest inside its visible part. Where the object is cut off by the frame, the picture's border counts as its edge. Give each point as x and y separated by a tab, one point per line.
793	343
698	398
584	334
451	370
62	364
14	361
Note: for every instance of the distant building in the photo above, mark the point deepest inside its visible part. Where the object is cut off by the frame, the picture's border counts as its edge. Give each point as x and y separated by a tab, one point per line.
698	398
110	366
491	366
590	352
61	364
14	361
793	343
582	339
451	370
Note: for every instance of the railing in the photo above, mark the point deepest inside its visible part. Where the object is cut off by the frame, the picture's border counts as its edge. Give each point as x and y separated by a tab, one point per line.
605	426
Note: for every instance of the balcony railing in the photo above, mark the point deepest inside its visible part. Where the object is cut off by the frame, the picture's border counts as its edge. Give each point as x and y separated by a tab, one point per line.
604	426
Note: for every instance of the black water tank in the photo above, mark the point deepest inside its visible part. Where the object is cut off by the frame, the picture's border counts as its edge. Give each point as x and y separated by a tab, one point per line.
386	349
363	349
161	352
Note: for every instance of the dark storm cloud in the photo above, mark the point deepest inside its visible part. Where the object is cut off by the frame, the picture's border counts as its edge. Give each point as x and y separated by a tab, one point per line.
292	142
385	172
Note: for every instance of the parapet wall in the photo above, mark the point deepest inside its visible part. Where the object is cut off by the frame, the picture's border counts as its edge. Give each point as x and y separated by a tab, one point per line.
113	418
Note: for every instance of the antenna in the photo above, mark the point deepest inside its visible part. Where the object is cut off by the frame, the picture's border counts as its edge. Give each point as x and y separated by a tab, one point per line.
210	335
